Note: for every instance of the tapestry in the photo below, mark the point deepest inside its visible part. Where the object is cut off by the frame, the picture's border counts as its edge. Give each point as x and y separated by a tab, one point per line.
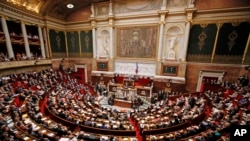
57	43
201	42
231	43
86	41
73	42
137	42
232	39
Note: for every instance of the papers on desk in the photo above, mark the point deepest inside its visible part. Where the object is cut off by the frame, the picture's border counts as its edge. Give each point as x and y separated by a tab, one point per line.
104	137
63	139
51	134
27	121
24	116
99	125
36	128
133	139
43	131
26	138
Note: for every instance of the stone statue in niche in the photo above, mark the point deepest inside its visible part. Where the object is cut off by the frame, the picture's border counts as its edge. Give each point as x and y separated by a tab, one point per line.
105	45
92	10
171	51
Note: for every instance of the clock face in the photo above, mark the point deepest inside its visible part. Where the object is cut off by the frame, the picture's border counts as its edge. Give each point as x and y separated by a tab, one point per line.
168	84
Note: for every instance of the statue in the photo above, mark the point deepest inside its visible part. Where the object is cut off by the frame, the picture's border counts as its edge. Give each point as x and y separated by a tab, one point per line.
171	52
92	10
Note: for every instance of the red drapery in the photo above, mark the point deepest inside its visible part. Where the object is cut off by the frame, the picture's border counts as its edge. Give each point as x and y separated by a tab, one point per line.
209	83
80	74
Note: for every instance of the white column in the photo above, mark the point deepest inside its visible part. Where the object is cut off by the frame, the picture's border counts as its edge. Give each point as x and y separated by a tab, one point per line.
26	42
110	8
111	42
186	38
191	3
46	42
92	10
164	5
7	38
94	42
111	29
41	42
160	41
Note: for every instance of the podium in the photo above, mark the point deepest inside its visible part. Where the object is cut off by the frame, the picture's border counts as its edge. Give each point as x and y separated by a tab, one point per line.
127	91
122	103
128	83
144	91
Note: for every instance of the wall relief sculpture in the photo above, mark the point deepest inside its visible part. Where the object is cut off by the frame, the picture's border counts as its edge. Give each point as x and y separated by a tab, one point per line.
136	5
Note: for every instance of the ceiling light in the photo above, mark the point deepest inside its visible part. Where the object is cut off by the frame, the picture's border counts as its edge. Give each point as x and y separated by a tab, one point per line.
70	5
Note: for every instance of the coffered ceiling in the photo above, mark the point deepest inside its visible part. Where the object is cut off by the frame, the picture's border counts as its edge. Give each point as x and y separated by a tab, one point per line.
53	8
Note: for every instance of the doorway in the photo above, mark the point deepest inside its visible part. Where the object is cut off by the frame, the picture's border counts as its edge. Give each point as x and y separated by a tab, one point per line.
81	72
208	79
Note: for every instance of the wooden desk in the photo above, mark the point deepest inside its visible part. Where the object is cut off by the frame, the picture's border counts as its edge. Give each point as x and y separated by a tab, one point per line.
144	91
113	87
122	103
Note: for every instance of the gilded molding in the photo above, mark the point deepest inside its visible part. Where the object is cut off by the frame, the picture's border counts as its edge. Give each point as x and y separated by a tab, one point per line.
224	10
188	10
163	12
19	10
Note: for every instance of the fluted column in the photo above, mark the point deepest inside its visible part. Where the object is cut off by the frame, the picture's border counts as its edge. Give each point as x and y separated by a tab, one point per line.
189	12
160	41
7	38
186	38
40	34
246	49
110	8
92	10
164	5
26	42
216	40
111	41
111	33
94	38
47	52
162	23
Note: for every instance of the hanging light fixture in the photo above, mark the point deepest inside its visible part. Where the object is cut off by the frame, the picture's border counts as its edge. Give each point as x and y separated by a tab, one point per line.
70	5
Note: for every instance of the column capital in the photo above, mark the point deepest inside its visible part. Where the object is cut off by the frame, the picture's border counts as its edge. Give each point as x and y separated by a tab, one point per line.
189	12
189	21
162	22
111	21
163	12
219	24
93	24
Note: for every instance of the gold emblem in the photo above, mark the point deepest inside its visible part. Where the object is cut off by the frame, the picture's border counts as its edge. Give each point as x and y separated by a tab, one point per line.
201	38
232	37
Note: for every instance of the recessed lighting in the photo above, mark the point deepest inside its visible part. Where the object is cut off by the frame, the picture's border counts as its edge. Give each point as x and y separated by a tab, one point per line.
70	5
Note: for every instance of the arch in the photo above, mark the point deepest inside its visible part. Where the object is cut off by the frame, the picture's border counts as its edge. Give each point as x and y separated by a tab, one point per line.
174	30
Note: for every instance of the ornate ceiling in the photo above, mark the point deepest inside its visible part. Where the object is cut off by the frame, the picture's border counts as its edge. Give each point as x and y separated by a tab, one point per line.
53	8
